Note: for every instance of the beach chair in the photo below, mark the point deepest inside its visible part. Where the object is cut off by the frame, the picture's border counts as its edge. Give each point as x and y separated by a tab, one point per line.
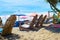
33	21
41	21
31	26
41	24
38	21
7	28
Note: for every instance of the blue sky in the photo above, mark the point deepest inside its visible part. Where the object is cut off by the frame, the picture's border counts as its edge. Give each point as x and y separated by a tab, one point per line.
11	6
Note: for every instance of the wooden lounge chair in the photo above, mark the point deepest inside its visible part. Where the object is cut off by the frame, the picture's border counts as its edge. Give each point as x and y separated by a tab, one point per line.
33	21
38	21
7	28
31	26
41	24
41	21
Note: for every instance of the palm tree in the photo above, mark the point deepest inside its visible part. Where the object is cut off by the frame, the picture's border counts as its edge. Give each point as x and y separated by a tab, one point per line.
53	5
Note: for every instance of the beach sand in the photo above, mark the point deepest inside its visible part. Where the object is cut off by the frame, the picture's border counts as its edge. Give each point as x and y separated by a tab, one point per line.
42	34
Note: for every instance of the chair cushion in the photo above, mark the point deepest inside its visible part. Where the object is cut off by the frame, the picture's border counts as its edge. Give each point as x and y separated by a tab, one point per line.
25	26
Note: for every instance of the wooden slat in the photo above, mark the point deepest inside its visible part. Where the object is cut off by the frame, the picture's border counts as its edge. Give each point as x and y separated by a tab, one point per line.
38	21
43	20
8	25
33	21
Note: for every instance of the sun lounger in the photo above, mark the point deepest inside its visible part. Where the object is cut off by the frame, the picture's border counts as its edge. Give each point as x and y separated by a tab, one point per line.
7	28
31	26
43	20
33	21
38	21
40	25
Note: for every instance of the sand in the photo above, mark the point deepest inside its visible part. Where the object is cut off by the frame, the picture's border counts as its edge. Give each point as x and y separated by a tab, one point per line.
42	34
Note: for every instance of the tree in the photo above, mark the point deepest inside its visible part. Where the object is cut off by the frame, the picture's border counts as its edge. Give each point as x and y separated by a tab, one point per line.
53	5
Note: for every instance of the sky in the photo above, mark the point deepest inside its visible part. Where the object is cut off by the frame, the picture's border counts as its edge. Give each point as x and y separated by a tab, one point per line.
25	6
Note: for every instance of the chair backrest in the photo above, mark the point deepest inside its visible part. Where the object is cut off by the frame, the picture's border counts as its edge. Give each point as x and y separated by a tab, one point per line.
39	20
7	29
33	21
43	20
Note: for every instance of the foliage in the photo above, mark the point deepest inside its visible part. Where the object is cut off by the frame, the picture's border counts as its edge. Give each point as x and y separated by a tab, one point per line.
53	5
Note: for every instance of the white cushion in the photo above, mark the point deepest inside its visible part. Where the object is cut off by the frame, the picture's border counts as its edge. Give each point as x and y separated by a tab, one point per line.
25	26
